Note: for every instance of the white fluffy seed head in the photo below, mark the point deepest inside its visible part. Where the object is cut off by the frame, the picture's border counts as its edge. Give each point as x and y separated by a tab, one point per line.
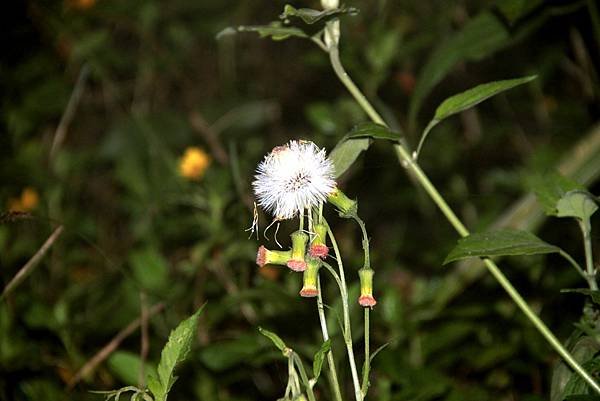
293	177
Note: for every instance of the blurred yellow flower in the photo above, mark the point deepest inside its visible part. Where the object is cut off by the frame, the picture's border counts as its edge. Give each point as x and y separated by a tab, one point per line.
194	163
28	201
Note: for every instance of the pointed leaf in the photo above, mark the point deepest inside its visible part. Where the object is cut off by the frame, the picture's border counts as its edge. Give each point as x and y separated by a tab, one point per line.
375	131
175	351
319	358
550	188
578	204
275	30
476	95
274	338
310	16
499	243
346	152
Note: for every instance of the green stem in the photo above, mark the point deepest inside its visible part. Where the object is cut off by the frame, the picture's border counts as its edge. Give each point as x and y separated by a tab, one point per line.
367	364
409	163
575	265
365	240
330	359
347	332
303	376
586	229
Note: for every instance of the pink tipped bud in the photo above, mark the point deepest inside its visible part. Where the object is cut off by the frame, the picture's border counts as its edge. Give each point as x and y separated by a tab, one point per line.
265	256
310	277
296	265
366	298
318	247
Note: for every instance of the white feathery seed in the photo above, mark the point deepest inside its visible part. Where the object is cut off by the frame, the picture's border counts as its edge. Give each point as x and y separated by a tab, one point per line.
293	177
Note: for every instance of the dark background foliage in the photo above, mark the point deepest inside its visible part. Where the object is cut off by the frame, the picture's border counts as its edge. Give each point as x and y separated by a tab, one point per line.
153	80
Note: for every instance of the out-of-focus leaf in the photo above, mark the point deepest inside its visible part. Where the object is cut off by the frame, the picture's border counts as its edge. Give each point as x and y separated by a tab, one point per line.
274	338
226	354
514	10
346	152
311	16
472	97
275	30
375	131
579	204
499	243
319	358
175	351
126	366
550	188
594	295
149	268
480	37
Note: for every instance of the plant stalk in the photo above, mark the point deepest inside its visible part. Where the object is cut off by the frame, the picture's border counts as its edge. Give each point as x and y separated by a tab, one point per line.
330	360
586	229
409	163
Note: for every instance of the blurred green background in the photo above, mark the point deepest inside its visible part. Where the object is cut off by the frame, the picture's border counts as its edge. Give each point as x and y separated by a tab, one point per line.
129	124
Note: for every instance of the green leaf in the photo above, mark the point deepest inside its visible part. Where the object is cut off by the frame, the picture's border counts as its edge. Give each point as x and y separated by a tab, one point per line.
499	243
476	95
480	37
514	10
594	295
576	386
581	349
319	358
310	16
578	204
175	351
223	355
550	188
126	366
375	131
275	30
346	152
149	268
274	338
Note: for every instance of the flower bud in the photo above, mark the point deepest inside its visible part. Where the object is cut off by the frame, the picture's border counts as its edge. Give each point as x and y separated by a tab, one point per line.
318	248
309	278
366	298
265	256
345	205
297	262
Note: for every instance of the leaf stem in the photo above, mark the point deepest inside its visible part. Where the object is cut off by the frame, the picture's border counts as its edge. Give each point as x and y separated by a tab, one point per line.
575	265
303	376
330	359
409	163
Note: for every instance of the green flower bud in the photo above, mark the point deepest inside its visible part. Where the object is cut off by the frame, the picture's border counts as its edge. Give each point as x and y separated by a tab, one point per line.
297	262
346	206
309	278
366	298
265	256
318	248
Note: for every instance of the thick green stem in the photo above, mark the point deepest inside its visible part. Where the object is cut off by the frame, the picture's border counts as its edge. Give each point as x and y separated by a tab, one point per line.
330	359
409	163
586	230
347	332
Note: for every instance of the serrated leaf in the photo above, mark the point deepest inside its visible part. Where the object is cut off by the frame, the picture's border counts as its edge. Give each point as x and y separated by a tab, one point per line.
277	341
319	358
472	97
550	188
346	152
578	204
371	130
594	295
174	352
310	16
499	243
